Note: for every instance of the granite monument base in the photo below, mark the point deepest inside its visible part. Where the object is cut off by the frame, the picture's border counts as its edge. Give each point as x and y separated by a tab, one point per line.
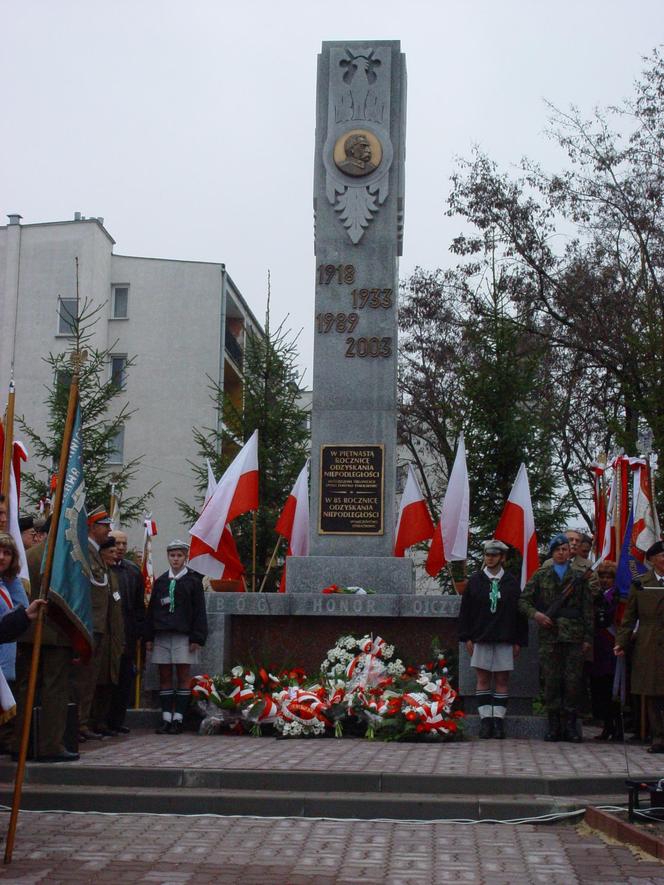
383	574
299	629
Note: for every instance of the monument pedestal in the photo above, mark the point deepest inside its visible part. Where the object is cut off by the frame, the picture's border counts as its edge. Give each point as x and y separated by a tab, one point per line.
382	574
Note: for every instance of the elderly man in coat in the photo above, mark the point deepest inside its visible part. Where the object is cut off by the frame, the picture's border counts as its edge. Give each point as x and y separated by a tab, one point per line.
646	605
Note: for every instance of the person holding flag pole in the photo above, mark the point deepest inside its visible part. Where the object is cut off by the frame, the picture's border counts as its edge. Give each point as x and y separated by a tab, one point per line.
64	579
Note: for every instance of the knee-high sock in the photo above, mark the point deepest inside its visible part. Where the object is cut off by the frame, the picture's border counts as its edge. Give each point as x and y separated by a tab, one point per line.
500	704
166	701
484	707
182	696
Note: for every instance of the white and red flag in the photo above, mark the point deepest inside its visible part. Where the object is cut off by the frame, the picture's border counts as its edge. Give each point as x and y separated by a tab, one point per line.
228	558
147	567
450	538
19	454
293	522
236	493
516	525
646	530
414	523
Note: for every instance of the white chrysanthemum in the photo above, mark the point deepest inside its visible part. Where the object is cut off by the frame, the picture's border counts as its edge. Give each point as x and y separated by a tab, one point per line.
388	651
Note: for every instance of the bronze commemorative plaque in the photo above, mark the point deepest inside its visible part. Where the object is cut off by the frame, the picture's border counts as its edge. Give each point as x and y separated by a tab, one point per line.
351	490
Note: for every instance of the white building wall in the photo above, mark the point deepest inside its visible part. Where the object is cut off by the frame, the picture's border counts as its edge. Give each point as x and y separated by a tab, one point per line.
174	328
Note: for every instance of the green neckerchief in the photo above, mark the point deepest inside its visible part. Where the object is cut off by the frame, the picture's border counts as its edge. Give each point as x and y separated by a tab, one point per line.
171	595
494	594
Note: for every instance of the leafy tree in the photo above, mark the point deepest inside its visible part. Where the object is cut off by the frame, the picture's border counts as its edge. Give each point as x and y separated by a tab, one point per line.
588	242
101	422
270	404
467	367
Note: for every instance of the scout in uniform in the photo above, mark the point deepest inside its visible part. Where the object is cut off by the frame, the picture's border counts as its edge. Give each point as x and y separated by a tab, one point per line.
494	632
564	637
175	630
645	605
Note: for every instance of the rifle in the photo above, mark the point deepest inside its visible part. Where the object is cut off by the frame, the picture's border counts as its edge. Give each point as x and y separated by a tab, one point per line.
557	604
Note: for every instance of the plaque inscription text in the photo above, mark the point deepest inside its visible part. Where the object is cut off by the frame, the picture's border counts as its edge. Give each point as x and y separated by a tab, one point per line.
351	490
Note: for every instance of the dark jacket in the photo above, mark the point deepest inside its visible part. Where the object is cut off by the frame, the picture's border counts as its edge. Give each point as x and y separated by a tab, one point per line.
13	625
130	584
189	615
478	623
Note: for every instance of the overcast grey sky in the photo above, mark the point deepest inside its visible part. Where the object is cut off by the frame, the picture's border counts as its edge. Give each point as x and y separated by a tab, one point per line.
178	123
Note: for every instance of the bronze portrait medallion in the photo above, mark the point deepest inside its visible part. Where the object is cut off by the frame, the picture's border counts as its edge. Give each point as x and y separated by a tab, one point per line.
357	153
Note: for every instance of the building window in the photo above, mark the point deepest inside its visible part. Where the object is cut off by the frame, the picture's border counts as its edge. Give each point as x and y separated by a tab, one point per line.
116	448
119	302
119	370
62	384
67	316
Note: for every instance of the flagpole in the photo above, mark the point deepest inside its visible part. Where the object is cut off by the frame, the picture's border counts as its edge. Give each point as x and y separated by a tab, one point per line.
9	444
269	565
253	556
43	594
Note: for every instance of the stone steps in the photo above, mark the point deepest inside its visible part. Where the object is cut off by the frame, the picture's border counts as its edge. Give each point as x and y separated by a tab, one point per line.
283	803
343	794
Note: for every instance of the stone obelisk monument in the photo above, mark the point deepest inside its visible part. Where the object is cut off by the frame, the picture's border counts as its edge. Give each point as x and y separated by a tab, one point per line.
359	211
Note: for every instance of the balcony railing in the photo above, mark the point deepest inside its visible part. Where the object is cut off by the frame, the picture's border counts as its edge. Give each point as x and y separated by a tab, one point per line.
234	350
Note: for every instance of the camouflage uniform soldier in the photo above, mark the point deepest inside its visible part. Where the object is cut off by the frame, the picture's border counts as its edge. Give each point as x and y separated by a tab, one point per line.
564	638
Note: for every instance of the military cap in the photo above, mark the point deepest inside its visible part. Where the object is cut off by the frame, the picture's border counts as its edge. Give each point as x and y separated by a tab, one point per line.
557	541
177	545
657	547
25	523
99	516
494	546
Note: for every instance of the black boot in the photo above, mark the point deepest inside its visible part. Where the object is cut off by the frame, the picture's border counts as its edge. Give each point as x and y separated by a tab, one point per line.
607	731
499	728
553	732
571	732
486	727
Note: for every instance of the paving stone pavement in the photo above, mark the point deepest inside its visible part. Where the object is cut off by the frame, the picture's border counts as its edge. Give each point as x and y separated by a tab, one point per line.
66	849
520	757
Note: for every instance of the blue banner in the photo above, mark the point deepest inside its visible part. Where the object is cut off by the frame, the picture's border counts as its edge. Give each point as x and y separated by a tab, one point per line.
69	593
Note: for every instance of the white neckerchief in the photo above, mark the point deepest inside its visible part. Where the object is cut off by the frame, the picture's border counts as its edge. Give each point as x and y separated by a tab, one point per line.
497	576
179	574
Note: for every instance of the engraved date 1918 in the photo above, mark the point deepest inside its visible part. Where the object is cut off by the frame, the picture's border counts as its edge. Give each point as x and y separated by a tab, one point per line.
335	273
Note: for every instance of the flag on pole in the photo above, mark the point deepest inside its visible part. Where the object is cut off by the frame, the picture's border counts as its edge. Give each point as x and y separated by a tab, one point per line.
147	566
213	549
645	530
227	563
114	509
516	525
19	454
450	538
414	522
293	522
69	594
